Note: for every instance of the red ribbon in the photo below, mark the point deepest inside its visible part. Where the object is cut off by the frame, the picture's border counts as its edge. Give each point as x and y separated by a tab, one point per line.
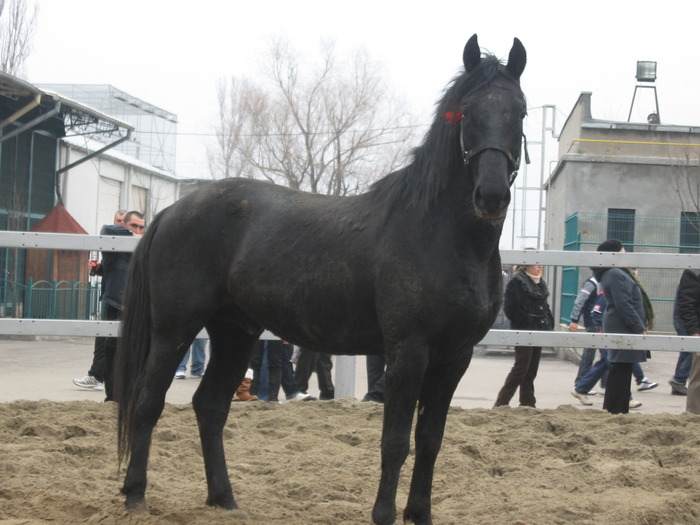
453	117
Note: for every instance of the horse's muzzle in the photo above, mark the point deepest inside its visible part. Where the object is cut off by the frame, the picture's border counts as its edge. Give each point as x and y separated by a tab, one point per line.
491	192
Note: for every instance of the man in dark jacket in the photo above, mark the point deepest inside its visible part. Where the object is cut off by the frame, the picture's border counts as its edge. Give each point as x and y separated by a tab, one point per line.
95	376
688	305
113	270
684	294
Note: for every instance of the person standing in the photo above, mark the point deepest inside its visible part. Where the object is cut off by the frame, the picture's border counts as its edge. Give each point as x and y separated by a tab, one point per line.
628	311
95	376
114	270
688	305
279	372
526	306
376	376
198	351
309	362
684	297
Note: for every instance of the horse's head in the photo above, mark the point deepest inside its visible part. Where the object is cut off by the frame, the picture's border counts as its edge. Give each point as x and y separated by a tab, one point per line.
492	112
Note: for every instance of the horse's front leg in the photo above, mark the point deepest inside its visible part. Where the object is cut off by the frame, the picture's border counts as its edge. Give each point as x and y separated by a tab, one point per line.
404	375
441	380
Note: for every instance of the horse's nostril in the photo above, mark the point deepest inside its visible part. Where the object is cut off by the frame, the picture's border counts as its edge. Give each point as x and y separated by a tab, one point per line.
491	204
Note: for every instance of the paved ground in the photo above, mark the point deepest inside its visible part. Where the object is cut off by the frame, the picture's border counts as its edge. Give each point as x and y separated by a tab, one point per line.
36	370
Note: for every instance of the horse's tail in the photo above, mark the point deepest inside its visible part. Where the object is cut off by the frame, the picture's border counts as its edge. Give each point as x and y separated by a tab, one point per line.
135	341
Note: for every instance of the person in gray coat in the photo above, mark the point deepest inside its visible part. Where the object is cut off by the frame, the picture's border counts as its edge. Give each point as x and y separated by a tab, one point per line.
628	312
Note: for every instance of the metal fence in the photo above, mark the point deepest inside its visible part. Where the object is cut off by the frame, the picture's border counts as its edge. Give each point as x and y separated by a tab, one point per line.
79	300
640	234
345	365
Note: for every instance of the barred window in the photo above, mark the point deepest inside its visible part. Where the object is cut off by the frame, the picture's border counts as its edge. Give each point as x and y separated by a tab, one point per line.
621	226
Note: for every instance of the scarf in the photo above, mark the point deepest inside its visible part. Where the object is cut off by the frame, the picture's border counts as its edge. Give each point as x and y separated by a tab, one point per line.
648	308
535	278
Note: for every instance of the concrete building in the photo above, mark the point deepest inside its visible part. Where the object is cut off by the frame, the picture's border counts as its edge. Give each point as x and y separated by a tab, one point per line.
628	181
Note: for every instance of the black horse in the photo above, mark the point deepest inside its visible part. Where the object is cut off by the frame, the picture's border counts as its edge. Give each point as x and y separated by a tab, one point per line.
410	269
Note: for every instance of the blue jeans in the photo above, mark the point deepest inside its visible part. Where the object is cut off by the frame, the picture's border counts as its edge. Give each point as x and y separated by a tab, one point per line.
637	372
588	381
586	362
685	359
198	357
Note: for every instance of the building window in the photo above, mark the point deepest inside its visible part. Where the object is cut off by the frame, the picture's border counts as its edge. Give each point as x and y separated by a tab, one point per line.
621	226
690	232
139	199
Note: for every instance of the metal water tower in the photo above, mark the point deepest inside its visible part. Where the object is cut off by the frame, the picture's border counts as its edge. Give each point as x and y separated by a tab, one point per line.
646	73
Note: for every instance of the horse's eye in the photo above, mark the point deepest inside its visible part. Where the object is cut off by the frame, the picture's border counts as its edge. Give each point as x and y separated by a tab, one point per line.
523	115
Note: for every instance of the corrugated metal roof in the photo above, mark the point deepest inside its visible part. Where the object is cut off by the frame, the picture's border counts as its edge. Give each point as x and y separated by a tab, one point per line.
15	88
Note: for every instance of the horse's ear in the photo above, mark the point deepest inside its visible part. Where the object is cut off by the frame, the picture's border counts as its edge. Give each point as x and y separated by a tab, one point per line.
516	59
472	54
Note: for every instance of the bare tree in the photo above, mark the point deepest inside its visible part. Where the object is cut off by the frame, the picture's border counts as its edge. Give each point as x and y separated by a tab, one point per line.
685	185
17	26
333	130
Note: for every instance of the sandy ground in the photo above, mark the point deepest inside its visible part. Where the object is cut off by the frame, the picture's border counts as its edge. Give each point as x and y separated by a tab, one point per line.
318	462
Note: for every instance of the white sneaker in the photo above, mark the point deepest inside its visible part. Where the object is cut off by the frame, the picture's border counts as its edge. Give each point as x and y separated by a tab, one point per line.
582	398
88	382
635	404
179	375
301	396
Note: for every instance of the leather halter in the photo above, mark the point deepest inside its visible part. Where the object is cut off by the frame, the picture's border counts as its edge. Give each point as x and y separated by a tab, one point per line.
467	155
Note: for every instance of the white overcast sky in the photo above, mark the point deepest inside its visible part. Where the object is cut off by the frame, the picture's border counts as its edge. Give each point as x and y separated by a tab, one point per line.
171	53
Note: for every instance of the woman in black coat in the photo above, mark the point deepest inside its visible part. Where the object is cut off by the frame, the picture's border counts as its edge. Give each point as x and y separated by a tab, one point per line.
526	306
628	311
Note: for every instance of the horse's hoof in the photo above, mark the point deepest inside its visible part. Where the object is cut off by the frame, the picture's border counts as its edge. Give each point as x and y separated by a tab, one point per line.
224	502
135	505
236	513
418	518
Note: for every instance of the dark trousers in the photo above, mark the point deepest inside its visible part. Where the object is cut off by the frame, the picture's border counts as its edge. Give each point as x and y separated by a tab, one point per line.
319	362
289	382
273	349
110	349
522	375
375	378
97	369
617	393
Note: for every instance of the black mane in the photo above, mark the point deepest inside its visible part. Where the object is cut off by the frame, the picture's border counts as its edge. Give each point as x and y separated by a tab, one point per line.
418	184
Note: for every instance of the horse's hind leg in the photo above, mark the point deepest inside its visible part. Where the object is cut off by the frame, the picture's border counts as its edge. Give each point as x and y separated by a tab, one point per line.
439	385
231	348
160	369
